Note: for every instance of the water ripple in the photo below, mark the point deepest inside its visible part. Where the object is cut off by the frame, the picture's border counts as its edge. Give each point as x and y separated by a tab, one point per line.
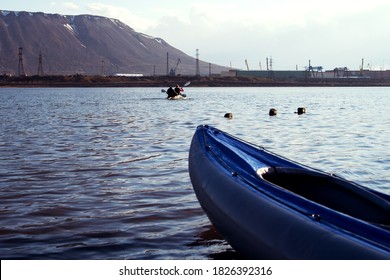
103	173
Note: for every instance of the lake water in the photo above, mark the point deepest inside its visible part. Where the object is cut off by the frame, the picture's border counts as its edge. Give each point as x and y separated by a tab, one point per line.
102	173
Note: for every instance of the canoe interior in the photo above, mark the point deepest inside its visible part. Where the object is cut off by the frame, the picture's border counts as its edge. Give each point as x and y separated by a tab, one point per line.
331	192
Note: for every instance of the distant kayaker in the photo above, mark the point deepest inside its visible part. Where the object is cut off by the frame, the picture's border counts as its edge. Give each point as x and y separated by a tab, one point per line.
178	90
171	92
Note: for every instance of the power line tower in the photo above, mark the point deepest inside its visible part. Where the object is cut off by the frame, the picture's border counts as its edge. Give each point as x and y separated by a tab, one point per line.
40	67
197	63
20	65
102	68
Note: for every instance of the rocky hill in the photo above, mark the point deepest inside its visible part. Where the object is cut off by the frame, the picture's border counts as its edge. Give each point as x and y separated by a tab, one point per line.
86	44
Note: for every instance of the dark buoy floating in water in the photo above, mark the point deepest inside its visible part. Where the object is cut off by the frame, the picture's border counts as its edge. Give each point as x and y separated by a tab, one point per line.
229	115
273	112
301	110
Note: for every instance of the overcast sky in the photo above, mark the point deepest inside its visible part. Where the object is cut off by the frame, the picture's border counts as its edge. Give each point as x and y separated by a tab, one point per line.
330	33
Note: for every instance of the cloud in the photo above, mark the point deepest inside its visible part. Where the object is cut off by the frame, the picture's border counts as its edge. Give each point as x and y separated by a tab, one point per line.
331	33
292	32
71	6
68	6
279	14
136	22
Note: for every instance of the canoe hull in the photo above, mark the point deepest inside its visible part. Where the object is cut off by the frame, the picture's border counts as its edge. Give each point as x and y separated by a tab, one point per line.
260	226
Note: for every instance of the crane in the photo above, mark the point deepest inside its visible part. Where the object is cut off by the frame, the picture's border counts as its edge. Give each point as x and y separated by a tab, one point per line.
246	63
173	70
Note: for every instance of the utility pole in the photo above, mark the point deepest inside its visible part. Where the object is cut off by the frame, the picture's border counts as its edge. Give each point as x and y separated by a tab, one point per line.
102	70
197	63
20	65
40	67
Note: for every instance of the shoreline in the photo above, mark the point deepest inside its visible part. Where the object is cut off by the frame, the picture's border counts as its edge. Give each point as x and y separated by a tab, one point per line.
166	81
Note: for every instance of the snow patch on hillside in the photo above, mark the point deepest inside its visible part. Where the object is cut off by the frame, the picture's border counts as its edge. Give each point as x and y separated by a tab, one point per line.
158	40
143	45
5	13
147	36
69	27
117	23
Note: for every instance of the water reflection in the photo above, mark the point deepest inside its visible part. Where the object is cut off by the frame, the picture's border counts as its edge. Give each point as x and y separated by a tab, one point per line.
209	237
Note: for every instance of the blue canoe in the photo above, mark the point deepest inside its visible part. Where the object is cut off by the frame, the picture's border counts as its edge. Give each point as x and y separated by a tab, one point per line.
269	207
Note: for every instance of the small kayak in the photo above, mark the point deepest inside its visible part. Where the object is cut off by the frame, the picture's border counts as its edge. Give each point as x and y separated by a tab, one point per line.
177	93
269	207
177	97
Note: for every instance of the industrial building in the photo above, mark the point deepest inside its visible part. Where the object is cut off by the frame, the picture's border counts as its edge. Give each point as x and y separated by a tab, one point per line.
339	72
